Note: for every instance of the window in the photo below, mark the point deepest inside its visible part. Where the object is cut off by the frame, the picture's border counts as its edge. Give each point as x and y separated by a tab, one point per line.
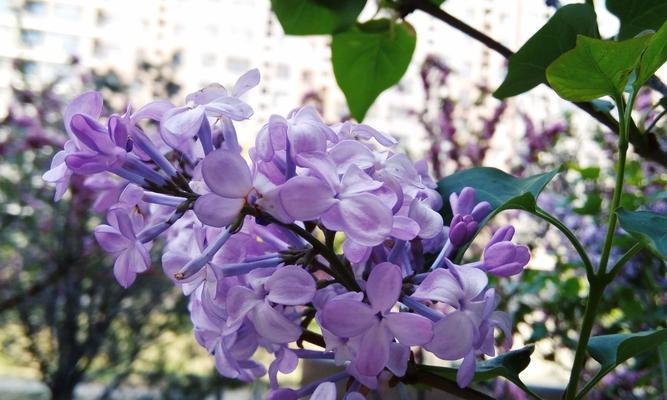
34	7
28	68
237	65
32	38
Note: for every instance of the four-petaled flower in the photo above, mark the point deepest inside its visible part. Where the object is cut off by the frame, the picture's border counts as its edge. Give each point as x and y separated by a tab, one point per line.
375	322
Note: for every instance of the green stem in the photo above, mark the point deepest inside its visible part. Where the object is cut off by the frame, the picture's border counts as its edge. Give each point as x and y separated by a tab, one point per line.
636	248
571	237
597	281
624	116
592	304
344	275
662	355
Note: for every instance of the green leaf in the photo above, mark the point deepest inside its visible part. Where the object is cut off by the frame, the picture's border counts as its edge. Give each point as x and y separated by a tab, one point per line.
369	58
638	15
648	227
526	68
590	173
591	206
612	350
316	17
595	68
507	365
653	58
501	190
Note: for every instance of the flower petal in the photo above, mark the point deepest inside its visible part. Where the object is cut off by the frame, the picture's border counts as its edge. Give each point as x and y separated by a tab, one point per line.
384	286
452	336
466	370
355	252
357	181
404	228
110	239
320	165
430	222
207	94
399	354
240	301
305	197
373	352
226	173
88	103
230	107
90	133
273	325
473	281
325	391
347	318
366	220
290	285
410	329
123	270
440	285
350	152
182	121
246	82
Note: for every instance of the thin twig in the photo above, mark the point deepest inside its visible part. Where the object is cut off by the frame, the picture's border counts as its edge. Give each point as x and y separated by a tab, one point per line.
646	145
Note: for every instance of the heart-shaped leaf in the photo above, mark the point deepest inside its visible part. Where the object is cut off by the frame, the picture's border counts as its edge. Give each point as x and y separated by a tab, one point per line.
612	350
638	15
507	365
595	68
369	58
650	228
316	17
526	68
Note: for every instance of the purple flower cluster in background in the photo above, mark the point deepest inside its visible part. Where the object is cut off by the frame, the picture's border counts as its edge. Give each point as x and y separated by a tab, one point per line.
254	241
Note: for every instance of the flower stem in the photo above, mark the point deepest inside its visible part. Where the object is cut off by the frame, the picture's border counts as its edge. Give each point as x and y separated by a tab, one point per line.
598	281
594	296
571	237
620	175
636	248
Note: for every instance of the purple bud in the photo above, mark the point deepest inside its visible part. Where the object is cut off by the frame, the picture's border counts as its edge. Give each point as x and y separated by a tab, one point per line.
463	202
461	229
481	210
502	257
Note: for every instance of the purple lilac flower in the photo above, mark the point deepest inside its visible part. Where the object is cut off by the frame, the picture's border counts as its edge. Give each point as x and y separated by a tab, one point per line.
501	256
374	322
468	329
251	241
181	124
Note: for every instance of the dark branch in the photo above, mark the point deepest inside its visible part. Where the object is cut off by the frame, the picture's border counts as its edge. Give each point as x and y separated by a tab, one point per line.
33	290
646	145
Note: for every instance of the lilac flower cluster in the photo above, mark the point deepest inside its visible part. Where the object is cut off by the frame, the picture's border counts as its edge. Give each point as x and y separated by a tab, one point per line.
253	241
